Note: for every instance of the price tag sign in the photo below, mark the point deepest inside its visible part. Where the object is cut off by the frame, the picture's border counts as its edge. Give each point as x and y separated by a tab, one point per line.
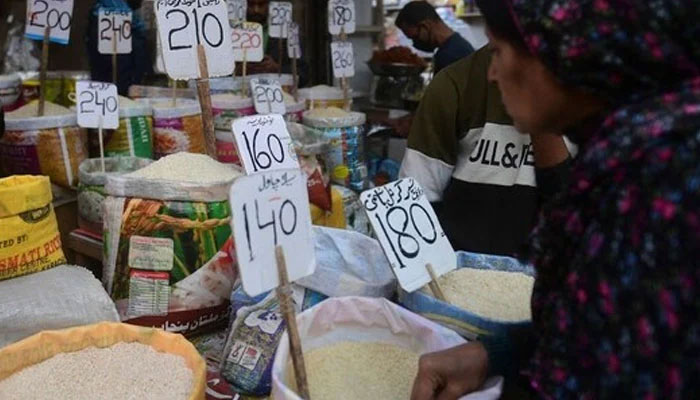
114	25
264	143
409	232
56	14
237	10
183	25
341	16
271	209
343	58
98	102
267	96
247	39
294	41
279	17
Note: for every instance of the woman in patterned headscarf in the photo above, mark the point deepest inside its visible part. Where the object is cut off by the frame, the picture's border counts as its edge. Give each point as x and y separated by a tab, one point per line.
616	312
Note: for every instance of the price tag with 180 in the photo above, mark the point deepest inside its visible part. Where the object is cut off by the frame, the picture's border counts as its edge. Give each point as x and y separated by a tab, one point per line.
341	16
409	232
343	59
280	15
114	25
98	105
264	143
247	39
271	209
56	14
267	96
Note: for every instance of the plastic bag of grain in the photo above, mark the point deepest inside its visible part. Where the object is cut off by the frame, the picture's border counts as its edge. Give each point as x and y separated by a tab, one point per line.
29	236
177	128
102	373
295	109
168	243
51	145
134	137
10	89
310	147
344	156
58	298
91	191
348	344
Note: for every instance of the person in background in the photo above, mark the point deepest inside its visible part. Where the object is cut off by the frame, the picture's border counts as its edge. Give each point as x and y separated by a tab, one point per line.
617	253
485	179
131	68
419	21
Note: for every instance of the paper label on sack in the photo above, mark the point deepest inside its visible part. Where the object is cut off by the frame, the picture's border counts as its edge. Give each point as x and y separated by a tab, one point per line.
97	105
247	39
57	14
237	10
155	254
114	25
268	97
279	17
271	209
343	59
149	293
264	144
409	232
341	16
183	25
294	42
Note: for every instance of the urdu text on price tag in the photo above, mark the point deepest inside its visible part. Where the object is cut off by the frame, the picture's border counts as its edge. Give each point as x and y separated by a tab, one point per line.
56	14
185	24
341	16
247	39
264	143
271	209
97	103
343	59
279	17
114	25
409	232
268	97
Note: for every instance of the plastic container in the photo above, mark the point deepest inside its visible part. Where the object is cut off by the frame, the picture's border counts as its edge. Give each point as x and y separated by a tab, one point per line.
295	111
323	96
177	128
228	107
10	90
226	151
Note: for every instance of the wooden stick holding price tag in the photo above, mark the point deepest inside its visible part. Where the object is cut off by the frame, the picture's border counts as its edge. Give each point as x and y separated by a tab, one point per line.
44	67
285	301
102	144
435	284
114	58
173	92
279	53
245	72
205	101
344	80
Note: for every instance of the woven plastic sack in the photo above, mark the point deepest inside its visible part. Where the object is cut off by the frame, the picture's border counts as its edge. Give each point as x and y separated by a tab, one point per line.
58	298
361	319
45	345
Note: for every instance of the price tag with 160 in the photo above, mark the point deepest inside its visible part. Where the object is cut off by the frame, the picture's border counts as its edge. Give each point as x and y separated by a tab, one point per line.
56	14
114	25
280	15
409	232
341	16
247	39
343	59
271	209
267	96
183	25
294	41
98	104
264	143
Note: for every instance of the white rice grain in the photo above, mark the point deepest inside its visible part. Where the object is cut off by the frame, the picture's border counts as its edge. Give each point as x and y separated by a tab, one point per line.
187	167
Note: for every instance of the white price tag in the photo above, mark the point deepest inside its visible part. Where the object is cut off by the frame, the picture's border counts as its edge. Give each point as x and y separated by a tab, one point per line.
237	10
114	25
341	16
294	41
98	102
267	96
343	58
57	14
264	143
247	39
279	17
185	24
409	232
271	209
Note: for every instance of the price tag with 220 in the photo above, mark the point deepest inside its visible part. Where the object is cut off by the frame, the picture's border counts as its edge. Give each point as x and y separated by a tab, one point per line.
247	39
98	105
114	25
56	14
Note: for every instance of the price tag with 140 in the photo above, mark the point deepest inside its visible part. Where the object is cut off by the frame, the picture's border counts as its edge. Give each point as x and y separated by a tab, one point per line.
56	14
271	209
267	96
409	232
98	105
280	15
341	16
343	58
247	39
264	143
183	25
114	25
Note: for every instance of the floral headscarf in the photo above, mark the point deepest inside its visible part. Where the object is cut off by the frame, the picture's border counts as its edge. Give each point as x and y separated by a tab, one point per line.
616	302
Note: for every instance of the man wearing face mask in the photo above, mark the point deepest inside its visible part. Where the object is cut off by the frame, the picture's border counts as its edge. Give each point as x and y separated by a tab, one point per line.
420	23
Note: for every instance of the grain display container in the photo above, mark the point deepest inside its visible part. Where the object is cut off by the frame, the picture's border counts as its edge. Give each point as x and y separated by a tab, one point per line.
226	108
177	128
10	90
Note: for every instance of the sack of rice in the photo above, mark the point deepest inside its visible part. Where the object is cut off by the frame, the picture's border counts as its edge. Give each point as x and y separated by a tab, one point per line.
488	296
51	145
177	129
363	348
57	298
10	89
29	236
344	157
91	191
133	138
108	361
168	243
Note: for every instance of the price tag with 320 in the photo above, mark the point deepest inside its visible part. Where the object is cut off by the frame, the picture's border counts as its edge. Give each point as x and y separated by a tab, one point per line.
341	16
114	25
343	58
98	105
264	143
183	25
409	232
247	39
267	96
56	14
271	209
279	17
